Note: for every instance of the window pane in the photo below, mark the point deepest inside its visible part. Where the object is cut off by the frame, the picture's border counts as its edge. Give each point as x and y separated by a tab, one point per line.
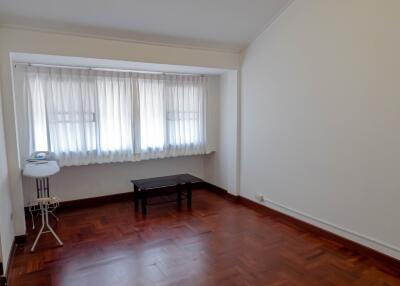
37	114
115	113
70	103
152	113
184	113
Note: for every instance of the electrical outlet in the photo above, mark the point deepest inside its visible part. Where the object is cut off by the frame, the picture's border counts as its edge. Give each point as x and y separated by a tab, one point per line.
260	197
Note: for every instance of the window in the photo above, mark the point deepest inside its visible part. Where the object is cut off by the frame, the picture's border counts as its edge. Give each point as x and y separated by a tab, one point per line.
183	114
152	114
88	116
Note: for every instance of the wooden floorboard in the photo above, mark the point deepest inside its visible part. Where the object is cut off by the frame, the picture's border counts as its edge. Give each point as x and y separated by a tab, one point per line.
218	242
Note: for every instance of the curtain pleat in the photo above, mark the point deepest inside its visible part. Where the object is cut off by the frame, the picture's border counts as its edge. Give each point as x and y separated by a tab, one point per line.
87	116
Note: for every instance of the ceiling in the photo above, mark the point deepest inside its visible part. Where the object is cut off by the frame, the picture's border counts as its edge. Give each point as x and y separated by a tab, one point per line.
215	24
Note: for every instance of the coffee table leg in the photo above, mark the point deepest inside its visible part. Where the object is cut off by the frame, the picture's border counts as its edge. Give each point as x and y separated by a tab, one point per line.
189	194
179	196
144	201
136	197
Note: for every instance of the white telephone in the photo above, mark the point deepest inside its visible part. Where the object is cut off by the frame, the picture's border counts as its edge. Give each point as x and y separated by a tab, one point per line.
41	156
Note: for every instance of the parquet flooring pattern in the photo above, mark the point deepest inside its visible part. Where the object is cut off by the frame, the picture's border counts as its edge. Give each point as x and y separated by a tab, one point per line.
218	242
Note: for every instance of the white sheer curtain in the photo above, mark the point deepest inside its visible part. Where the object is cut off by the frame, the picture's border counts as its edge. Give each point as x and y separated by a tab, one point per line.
172	115
88	116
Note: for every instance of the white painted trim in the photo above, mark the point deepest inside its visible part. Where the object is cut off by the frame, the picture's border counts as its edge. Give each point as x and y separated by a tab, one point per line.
364	240
85	62
121	39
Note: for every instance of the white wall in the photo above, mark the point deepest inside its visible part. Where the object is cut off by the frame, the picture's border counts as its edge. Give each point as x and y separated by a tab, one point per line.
6	222
13	40
222	166
321	118
212	116
81	182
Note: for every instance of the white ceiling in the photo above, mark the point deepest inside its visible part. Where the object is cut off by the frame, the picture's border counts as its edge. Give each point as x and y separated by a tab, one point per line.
216	24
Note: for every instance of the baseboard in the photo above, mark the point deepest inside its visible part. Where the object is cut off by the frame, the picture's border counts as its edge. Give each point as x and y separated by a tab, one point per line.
90	202
220	191
96	201
20	239
3	281
4	276
385	262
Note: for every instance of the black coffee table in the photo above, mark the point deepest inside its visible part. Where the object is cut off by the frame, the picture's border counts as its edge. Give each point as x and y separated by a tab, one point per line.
154	186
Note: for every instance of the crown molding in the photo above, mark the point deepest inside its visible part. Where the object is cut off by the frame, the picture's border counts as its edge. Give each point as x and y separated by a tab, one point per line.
120	39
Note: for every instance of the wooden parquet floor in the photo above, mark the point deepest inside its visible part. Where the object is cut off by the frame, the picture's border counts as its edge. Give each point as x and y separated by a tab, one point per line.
219	242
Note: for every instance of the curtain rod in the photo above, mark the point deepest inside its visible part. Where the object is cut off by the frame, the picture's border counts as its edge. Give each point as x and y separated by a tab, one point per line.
101	69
